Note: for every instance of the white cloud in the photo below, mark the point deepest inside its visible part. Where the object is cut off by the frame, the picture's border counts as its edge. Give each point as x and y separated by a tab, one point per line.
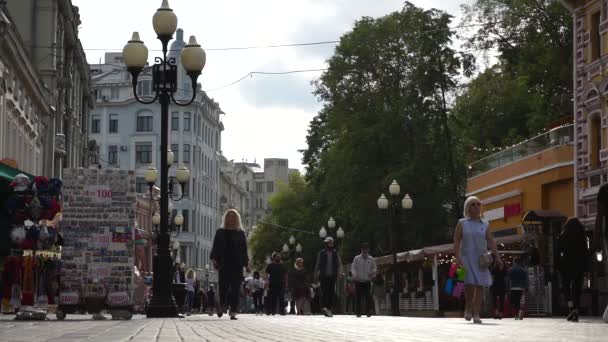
267	116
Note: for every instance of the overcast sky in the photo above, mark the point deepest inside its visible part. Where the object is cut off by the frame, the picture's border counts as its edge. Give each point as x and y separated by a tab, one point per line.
266	116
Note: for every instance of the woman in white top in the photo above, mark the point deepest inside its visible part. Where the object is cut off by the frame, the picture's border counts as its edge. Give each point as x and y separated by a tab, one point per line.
190	281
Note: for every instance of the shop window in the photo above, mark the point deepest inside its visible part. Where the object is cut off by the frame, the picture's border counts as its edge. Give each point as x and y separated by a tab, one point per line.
595	141
595	39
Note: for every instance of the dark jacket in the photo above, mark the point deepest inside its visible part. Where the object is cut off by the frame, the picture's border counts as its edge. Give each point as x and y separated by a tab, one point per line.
518	277
573	254
322	263
230	250
498	280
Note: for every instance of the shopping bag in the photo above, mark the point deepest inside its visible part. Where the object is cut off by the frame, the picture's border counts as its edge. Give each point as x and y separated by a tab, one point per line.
460	274
458	289
449	286
452	271
605	315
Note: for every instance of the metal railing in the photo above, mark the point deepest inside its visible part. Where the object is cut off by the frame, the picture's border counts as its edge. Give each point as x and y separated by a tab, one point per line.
563	135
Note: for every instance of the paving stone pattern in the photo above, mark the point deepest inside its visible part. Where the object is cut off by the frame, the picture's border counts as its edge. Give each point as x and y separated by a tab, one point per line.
303	328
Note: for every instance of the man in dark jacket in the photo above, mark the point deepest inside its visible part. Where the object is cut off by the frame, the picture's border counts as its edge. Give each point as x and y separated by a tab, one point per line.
327	271
229	256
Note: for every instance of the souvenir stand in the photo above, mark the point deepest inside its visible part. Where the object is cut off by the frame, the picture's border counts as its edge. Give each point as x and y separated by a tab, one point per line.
97	273
30	272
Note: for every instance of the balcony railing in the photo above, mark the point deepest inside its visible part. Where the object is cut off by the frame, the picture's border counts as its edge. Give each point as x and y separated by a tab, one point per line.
563	135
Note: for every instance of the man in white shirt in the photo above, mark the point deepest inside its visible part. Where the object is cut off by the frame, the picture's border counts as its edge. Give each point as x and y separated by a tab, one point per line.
363	269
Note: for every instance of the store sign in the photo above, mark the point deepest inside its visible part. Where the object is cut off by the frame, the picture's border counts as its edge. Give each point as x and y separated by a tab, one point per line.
503	212
100	193
68	298
118	298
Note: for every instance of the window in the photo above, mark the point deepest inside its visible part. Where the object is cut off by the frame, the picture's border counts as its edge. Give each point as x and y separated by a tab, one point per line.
186	154
186	122
143	153
140	185
95	124
113	155
246	183
175	149
259	187
175	121
186	189
185	214
595	36
144	88
114	92
113	123
269	186
144	123
595	141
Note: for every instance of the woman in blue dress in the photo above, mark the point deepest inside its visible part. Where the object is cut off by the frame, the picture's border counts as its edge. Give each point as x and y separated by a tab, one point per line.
472	239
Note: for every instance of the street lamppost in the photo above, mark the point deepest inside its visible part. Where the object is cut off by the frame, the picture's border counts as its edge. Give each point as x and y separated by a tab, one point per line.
164	79
394	205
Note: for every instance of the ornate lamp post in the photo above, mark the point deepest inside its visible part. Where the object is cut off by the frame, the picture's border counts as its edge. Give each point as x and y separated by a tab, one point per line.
164	79
395	205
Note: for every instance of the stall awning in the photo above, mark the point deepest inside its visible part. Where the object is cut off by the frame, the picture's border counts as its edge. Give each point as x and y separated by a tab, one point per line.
419	254
9	173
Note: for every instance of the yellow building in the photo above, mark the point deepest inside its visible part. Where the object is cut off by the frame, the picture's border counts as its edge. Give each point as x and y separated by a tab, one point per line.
535	175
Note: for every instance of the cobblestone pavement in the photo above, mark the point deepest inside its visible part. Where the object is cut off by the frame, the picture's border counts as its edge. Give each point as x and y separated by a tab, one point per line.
297	328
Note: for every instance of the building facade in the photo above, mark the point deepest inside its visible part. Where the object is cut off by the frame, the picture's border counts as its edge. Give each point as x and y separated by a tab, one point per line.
535	175
235	191
264	183
25	108
49	31
127	134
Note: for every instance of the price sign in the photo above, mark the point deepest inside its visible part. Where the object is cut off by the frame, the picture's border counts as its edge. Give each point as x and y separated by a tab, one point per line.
100	240
68	298
118	298
98	271
100	193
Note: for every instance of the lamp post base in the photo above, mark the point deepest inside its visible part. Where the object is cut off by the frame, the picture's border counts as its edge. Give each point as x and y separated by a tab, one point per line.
162	307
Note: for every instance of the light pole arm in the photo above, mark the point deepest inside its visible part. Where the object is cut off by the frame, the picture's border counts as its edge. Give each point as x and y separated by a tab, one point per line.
134	76
193	79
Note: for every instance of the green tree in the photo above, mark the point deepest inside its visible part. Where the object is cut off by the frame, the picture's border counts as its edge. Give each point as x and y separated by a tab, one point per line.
385	117
530	86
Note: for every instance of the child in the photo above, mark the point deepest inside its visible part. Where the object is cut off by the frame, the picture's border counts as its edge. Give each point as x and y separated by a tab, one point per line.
518	278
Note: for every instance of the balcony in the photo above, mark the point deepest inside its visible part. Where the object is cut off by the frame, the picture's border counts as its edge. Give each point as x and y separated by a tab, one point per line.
559	136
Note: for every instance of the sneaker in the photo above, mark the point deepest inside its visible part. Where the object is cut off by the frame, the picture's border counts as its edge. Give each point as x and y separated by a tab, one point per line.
467	316
521	315
329	313
326	312
477	320
575	316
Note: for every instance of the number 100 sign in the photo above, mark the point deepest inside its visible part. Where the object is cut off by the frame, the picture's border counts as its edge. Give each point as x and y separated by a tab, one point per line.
100	193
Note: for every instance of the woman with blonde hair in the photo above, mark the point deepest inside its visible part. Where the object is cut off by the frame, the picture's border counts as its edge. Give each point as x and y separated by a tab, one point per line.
299	285
471	241
190	281
229	257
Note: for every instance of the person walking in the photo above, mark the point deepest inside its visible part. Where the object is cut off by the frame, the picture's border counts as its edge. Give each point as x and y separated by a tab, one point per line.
350	293
518	286
257	285
572	263
277	279
190	282
211	300
471	241
229	256
363	269
327	270
299	286
498	290
379	293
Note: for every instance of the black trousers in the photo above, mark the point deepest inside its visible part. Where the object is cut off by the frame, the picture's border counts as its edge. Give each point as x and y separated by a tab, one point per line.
364	296
276	294
257	300
498	295
328	285
572	286
515	299
230	286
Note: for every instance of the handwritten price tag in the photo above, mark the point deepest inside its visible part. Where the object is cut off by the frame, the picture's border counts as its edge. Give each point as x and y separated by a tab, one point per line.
99	271
100	193
101	240
68	298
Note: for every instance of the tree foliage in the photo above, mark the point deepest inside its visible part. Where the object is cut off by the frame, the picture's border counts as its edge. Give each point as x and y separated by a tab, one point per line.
530	85
385	117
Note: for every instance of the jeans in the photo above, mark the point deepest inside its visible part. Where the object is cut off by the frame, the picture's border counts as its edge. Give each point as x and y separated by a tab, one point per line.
363	296
257	301
276	292
515	299
328	285
189	301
